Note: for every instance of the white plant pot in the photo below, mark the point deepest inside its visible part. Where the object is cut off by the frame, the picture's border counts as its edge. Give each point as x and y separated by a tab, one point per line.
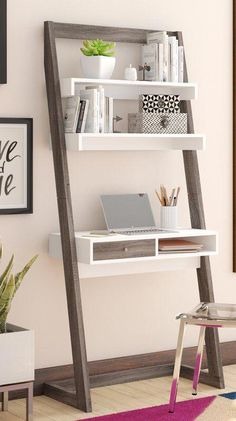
97	67
17	355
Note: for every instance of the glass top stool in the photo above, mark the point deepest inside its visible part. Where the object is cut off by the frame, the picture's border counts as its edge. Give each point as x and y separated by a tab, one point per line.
209	315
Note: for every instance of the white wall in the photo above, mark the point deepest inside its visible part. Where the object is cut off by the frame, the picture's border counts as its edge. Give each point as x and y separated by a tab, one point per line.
132	314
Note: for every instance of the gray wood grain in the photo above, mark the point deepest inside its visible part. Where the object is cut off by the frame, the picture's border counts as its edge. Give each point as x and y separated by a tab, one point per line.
66	221
123	249
205	284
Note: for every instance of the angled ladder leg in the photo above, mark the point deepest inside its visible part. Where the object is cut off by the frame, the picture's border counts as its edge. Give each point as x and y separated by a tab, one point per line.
5	401
29	402
178	358
198	361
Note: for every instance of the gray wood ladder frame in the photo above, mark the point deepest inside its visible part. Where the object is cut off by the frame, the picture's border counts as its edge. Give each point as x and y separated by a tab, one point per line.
77	391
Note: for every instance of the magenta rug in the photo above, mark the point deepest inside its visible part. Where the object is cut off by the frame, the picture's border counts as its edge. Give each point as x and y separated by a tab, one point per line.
203	409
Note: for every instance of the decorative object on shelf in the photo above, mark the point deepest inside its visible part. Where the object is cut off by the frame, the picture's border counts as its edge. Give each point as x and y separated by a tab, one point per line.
130	73
157	123
145	68
164	123
116	119
168	217
17	344
159	103
3	41
169	210
134	122
16	175
97	60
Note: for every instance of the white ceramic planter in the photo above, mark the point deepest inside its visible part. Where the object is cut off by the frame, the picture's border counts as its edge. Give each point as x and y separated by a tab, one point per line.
97	67
16	356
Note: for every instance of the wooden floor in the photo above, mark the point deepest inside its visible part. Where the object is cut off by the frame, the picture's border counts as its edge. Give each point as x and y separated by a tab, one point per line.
115	398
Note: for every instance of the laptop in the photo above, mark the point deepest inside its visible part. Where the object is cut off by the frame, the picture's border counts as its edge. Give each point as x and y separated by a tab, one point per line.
129	214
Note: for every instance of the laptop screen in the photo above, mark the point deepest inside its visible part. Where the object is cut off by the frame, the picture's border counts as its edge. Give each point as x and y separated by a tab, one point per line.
123	211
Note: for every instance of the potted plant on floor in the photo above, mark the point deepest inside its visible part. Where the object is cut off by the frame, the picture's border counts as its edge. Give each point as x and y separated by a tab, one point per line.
97	60
16	344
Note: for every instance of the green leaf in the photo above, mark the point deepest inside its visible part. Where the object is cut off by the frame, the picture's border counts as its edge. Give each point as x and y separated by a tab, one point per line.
20	275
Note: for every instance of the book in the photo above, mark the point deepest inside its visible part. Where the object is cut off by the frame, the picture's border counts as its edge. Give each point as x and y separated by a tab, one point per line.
108	121
173	64
160	38
180	64
84	104
179	245
92	122
71	106
160	74
150	57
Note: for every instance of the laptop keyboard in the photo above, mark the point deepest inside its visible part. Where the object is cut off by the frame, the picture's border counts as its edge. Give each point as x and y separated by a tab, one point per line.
144	231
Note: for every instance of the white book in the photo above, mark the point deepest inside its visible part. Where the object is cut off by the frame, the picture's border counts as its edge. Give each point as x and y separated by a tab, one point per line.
160	62
92	123
149	56
180	64
169	64
101	109
71	106
110	115
173	42
160	38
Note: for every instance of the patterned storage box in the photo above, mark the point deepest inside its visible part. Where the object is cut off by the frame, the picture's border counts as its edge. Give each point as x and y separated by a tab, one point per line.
164	123
159	104
157	123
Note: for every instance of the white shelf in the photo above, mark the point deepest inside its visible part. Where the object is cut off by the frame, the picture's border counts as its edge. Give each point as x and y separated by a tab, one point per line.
133	142
89	267
125	89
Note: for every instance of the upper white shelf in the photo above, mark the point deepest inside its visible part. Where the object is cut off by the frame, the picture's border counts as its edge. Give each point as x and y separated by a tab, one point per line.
125	89
133	142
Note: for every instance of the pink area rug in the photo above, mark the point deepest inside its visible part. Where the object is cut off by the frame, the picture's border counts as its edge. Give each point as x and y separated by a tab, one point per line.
211	408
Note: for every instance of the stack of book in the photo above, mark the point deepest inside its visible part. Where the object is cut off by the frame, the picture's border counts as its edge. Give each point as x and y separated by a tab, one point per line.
164	56
178	246
89	112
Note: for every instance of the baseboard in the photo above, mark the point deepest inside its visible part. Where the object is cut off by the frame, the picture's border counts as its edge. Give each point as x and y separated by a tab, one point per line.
123	369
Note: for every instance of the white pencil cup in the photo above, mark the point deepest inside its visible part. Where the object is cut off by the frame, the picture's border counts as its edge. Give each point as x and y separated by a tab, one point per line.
169	216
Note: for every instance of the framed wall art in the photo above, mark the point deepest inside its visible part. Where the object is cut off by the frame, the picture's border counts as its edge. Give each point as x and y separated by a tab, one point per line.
3	41
16	169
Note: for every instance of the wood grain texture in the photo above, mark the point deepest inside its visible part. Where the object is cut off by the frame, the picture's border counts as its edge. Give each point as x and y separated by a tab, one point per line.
234	136
66	220
195	200
123	249
143	365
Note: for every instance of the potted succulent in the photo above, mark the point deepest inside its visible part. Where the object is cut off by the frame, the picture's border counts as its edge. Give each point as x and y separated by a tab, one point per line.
16	344
98	59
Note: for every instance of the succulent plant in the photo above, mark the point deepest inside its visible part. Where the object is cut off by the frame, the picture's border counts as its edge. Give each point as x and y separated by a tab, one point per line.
98	47
9	284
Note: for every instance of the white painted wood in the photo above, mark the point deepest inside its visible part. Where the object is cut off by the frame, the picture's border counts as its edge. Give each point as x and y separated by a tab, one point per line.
126	89
90	268
16	357
133	142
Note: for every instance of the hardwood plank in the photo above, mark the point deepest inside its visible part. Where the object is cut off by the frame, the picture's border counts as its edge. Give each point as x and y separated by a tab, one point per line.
66	220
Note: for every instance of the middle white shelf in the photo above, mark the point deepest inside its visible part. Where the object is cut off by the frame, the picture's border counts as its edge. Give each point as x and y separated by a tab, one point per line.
133	142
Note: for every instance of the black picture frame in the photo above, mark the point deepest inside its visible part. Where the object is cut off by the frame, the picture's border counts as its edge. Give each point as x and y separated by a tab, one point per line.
3	41
16	154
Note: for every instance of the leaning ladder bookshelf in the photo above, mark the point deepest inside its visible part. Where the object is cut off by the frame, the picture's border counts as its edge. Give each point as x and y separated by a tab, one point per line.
77	391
